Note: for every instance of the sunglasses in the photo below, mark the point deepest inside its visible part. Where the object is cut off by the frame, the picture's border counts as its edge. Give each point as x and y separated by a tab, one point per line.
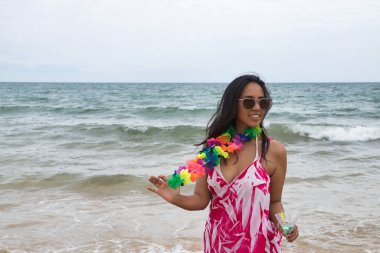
249	103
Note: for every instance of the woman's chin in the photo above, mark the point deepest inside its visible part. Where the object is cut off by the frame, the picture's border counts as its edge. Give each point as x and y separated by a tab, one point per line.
254	122
251	123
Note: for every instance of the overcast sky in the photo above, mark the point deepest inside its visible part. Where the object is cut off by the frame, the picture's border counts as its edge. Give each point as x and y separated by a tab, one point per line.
189	40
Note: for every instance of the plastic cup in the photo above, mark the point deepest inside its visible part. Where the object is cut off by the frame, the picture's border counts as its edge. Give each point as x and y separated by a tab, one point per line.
287	222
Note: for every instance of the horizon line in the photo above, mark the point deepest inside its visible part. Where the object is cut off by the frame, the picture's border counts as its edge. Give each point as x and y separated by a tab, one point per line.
162	82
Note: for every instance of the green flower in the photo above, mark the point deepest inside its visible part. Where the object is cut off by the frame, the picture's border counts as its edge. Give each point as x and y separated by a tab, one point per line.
253	132
175	180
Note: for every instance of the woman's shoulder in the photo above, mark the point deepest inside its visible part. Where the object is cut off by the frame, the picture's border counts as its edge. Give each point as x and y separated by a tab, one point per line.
276	148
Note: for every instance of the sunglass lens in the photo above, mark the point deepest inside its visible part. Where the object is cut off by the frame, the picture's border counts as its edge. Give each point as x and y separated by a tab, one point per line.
248	103
264	103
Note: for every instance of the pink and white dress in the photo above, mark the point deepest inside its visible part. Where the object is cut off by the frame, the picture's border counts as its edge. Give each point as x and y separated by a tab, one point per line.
239	212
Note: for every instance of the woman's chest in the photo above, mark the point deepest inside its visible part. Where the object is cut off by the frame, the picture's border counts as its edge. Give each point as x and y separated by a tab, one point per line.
234	166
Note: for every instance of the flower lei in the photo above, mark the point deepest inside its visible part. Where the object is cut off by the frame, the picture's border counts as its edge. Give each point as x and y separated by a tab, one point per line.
209	156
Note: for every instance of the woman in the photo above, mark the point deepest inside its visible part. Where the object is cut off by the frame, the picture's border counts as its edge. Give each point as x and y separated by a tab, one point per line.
243	181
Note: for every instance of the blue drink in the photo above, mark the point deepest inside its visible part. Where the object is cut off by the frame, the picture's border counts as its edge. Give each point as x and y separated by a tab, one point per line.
287	227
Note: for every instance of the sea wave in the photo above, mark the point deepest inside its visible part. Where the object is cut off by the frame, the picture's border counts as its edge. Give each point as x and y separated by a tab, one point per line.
52	109
339	133
179	133
298	132
177	112
109	184
284	133
320	179
78	110
95	184
13	109
288	133
168	109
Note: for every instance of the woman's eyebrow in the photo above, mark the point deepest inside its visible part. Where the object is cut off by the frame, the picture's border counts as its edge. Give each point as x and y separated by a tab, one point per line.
253	97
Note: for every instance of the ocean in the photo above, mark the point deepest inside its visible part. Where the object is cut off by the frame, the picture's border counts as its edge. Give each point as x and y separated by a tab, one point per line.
75	159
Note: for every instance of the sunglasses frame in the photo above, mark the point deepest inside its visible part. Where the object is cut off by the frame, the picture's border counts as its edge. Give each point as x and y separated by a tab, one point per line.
256	101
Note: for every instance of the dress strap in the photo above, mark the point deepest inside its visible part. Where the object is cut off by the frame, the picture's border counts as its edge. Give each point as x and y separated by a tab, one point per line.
257	147
257	150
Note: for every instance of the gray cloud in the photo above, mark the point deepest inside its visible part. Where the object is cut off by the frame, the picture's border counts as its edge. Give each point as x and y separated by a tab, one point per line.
147	40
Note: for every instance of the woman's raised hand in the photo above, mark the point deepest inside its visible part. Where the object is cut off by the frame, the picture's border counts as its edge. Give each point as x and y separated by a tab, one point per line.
162	188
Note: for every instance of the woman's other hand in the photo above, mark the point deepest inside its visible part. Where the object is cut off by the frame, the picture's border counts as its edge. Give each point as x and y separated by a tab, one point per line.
163	189
293	234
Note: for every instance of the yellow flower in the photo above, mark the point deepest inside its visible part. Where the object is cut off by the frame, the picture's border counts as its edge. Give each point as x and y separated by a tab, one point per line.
220	151
202	155
186	176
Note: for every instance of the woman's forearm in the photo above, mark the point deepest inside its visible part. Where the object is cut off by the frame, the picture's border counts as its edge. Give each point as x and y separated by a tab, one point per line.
274	208
191	202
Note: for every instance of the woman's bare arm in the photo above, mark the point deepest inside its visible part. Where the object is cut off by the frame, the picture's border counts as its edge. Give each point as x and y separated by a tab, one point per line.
197	201
279	159
277	184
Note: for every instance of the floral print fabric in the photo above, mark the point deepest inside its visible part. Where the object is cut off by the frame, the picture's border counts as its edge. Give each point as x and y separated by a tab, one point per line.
239	213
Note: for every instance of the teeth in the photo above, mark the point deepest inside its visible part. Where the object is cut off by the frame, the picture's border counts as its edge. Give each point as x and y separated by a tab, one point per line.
254	116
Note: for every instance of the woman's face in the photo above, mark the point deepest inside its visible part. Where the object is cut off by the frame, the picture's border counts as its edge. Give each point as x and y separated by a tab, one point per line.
249	117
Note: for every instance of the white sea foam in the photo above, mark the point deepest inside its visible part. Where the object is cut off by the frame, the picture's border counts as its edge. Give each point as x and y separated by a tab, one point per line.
339	133
155	248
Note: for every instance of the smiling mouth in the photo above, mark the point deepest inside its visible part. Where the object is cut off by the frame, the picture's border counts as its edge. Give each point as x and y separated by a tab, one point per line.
254	116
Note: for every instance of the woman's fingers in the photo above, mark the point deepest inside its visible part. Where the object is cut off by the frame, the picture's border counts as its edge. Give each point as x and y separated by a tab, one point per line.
152	190
156	181
293	234
163	178
162	188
